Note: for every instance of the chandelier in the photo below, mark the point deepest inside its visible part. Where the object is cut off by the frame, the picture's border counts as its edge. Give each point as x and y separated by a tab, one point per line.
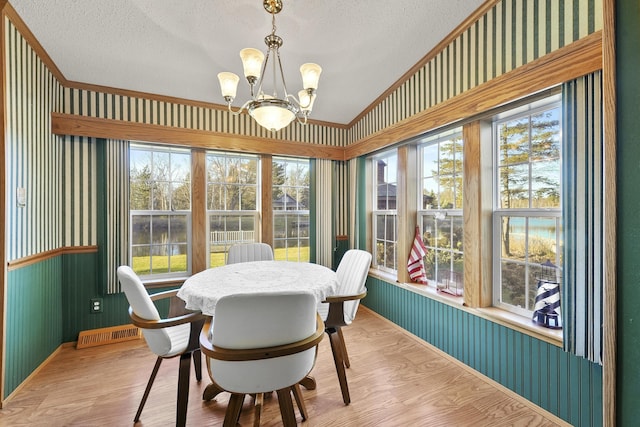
270	110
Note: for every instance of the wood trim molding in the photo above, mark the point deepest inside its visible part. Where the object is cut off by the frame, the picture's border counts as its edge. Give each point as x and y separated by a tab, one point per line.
4	6
68	124
609	214
266	198
577	59
43	256
199	240
478	205
406	207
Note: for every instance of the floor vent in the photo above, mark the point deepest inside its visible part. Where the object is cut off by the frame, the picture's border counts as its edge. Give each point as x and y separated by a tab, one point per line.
111	335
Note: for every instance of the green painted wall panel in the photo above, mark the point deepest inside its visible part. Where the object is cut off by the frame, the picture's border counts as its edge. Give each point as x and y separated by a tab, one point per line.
34	319
563	384
628	206
80	286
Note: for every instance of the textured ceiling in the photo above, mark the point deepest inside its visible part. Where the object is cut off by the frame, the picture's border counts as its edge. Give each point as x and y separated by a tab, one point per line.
176	48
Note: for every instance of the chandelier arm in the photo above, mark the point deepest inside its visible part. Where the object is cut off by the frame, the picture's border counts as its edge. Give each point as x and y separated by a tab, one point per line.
284	84
296	101
302	122
243	107
262	74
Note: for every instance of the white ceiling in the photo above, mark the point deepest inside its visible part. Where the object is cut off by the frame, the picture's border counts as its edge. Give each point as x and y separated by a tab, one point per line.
177	47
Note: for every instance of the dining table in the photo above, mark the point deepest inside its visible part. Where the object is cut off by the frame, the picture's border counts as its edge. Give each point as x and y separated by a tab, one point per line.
203	290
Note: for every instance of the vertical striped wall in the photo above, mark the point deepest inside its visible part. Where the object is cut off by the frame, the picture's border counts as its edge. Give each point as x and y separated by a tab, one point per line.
79	176
33	154
511	34
164	113
324	212
568	386
117	210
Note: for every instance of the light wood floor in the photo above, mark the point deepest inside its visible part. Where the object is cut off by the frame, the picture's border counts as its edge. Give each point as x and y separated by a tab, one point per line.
395	380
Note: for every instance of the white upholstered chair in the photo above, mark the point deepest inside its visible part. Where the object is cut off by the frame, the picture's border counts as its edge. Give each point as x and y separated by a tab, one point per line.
258	343
170	337
340	309
244	252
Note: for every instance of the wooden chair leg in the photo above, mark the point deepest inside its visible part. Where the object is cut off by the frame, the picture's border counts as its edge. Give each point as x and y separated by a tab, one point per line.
334	339
297	393
286	407
211	391
148	389
345	355
308	382
197	364
233	410
183	389
257	410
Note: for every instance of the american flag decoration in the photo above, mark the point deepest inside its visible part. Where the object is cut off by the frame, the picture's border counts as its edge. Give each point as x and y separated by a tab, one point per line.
415	264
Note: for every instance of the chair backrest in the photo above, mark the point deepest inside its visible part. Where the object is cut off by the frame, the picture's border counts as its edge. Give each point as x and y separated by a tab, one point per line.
352	275
158	340
249	321
244	252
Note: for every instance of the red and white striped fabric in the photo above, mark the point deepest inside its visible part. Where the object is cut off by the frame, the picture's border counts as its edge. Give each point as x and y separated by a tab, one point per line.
415	264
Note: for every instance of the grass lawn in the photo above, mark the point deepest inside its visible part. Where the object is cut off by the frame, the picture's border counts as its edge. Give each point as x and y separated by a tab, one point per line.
179	262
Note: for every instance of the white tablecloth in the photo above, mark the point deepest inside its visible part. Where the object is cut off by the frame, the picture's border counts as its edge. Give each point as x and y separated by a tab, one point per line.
203	290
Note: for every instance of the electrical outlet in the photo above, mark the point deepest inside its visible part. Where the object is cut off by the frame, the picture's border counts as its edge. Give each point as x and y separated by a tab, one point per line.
96	305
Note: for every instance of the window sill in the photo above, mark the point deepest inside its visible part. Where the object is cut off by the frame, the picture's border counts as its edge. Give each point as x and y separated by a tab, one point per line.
521	324
502	317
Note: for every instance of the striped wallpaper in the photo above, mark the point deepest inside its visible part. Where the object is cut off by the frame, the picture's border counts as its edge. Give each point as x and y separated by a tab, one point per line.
324	193
116	185
79	174
164	113
33	155
511	34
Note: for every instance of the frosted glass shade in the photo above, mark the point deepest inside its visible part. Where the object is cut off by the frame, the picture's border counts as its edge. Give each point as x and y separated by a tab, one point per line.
252	60
271	116
306	103
310	75
228	84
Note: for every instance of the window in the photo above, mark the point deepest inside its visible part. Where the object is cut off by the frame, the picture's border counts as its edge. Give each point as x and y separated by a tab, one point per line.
290	209
440	209
233	202
160	209
527	213
385	216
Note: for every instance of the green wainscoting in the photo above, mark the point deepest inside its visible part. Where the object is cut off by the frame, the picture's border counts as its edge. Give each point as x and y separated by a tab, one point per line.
48	304
565	385
80	285
34	319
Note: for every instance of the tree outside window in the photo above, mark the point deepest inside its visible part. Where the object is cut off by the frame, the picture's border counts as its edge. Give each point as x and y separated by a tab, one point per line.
440	209
528	212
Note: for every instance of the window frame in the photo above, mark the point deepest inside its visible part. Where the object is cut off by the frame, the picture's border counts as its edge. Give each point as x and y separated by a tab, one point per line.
499	213
187	214
300	214
239	213
454	281
387	214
